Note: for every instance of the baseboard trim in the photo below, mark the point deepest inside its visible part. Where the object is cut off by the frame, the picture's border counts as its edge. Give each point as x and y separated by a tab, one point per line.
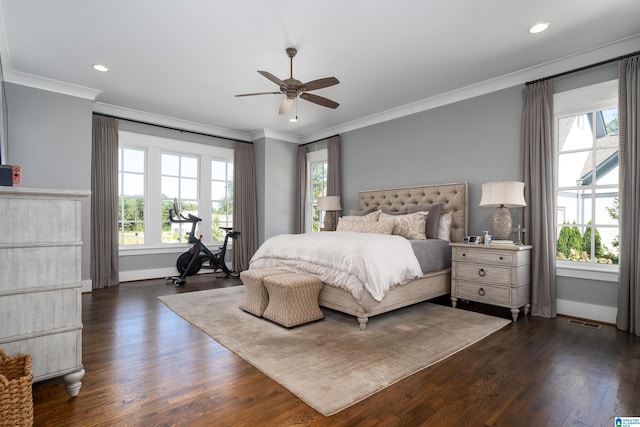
582	310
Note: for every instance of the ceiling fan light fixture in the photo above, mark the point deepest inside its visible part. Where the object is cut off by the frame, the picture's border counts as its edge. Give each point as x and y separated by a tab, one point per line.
539	27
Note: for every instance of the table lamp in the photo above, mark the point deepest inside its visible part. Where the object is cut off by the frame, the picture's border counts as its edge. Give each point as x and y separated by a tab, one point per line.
502	196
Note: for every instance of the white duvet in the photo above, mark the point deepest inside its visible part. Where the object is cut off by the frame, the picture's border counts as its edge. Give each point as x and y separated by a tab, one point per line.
356	262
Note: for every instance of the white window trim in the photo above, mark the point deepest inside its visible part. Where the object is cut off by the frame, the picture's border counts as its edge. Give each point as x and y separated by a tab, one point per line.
155	146
573	102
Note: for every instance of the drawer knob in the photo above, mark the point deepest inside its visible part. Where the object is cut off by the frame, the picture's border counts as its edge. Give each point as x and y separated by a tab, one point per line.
463	254
481	272
481	292
501	258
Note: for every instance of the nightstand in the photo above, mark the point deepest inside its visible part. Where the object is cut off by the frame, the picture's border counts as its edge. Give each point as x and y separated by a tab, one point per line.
497	275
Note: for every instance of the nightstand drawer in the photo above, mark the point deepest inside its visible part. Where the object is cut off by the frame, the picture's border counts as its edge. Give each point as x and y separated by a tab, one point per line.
482	256
483	293
483	273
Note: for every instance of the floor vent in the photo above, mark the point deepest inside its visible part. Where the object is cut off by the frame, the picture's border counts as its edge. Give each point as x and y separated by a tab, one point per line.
583	323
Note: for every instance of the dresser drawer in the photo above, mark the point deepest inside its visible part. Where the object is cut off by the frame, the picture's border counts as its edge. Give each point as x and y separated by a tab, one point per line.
482	273
483	256
483	293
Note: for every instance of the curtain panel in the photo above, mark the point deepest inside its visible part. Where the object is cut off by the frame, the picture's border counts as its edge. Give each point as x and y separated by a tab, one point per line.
104	202
301	189
628	317
333	178
245	216
537	162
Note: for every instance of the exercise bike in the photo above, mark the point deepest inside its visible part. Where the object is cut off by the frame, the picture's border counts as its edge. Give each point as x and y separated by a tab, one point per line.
190	262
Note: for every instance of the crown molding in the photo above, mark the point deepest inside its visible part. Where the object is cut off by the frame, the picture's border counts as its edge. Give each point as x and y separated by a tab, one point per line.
269	133
50	85
157	119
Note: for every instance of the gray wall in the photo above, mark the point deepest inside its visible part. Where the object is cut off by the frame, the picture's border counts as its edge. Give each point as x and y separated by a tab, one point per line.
49	136
275	183
476	140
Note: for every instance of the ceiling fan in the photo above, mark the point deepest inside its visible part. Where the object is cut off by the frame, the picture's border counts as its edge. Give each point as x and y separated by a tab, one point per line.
293	88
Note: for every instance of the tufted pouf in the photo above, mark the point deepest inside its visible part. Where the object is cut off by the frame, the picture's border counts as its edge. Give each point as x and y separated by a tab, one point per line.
293	299
256	297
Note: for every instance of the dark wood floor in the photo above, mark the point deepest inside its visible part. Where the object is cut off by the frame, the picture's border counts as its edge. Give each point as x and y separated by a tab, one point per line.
148	367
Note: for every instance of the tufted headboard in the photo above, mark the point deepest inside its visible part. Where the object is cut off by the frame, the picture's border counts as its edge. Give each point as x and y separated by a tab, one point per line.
454	196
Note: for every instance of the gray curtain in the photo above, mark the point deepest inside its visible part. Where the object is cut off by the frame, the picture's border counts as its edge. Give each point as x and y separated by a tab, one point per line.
245	216
333	178
104	202
628	318
301	189
537	162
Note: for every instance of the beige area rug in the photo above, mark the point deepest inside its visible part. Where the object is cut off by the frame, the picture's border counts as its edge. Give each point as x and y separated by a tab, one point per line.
331	364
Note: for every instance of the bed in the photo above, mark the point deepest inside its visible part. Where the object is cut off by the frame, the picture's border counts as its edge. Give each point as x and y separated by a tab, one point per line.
423	287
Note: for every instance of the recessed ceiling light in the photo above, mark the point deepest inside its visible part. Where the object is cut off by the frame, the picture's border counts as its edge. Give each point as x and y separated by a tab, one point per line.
538	28
100	67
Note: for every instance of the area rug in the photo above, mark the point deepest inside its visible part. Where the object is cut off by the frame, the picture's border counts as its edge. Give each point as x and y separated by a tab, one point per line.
331	364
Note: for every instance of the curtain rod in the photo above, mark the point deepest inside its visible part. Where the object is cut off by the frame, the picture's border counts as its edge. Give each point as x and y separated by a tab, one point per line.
172	128
586	67
318	140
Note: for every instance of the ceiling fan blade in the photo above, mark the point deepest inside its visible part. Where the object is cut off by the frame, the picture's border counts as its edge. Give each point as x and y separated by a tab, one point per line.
319	100
286	105
321	83
272	78
259	93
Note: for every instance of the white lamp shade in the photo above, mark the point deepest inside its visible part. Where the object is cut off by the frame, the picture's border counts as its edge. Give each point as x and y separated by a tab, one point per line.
509	194
329	203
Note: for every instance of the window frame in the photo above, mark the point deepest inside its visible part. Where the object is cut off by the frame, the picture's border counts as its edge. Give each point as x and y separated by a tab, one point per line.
588	99
155	146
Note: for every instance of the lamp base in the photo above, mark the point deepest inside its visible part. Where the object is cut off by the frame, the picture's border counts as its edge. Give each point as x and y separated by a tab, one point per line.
501	224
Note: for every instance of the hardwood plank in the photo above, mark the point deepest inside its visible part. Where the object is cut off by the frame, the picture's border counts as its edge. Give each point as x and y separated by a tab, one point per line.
147	366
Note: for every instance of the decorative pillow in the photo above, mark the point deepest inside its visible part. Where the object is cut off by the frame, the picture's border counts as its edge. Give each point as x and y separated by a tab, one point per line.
363	212
434	209
393	212
370	217
444	227
359	226
410	226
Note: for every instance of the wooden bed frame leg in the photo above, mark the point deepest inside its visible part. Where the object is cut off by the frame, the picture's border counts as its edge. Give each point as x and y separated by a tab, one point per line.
363	322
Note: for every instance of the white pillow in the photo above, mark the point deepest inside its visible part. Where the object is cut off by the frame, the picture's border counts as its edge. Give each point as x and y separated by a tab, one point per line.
359	226
411	226
444	227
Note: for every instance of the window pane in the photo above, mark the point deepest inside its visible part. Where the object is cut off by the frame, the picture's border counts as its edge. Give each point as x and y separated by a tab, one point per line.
574	168
133	160
218	190
170	187
170	165
574	207
607	207
189	167
189	188
218	170
132	184
230	172
575	132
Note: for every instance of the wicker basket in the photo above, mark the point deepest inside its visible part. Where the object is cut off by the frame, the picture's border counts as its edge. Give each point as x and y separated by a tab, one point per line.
16	399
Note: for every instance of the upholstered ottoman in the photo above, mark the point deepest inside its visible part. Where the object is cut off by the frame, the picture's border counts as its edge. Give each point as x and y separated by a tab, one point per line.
256	297
293	299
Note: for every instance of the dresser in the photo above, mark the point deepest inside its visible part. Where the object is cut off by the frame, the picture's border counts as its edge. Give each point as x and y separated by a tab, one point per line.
497	275
40	280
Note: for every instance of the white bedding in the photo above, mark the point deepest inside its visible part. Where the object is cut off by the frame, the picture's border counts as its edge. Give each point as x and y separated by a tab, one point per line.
356	262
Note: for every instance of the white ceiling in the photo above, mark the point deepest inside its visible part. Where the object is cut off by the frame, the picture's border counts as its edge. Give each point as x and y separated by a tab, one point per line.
181	62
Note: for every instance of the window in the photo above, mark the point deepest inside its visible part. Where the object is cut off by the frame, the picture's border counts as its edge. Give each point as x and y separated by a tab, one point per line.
153	171
317	179
131	196
587	175
221	197
178	182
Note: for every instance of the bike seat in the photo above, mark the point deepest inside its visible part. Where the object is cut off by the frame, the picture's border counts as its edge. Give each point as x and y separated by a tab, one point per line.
226	228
